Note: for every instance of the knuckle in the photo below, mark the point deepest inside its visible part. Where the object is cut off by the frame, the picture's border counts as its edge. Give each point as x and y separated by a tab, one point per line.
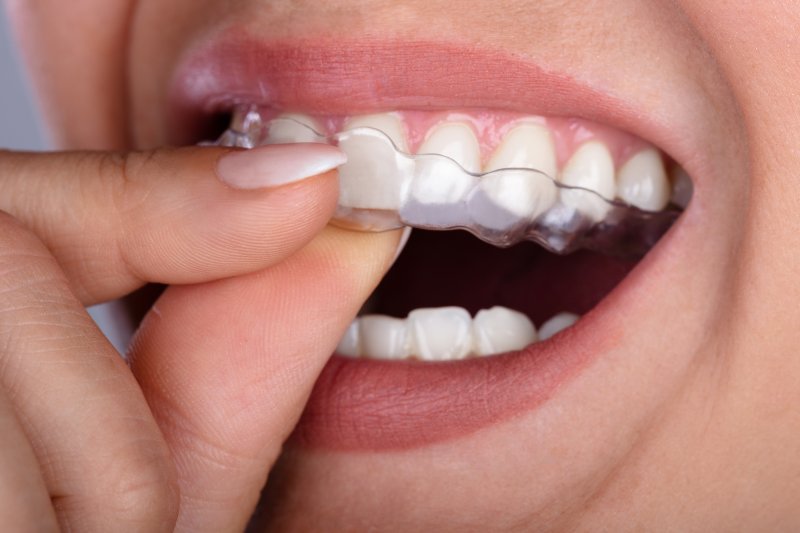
142	490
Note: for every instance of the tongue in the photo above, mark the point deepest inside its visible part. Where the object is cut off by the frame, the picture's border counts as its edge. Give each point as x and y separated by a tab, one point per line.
440	269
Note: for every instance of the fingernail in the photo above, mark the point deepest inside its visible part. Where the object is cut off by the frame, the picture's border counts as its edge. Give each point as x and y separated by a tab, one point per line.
277	164
402	243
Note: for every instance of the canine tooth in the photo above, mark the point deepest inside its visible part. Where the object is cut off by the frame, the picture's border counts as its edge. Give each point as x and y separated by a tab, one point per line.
350	343
499	330
590	167
642	181
383	337
682	187
387	123
440	181
556	324
373	177
440	334
296	128
526	146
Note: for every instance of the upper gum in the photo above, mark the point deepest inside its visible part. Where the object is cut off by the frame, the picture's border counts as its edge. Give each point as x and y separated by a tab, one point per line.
491	126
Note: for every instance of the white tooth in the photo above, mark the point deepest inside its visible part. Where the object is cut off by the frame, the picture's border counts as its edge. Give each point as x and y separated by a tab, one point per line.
642	181
556	324
682	187
350	343
524	194
440	181
373	177
387	123
297	129
590	167
526	146
499	330
383	337
440	334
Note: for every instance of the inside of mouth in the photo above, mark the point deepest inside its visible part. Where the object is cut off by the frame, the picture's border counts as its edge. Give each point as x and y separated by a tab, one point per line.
440	269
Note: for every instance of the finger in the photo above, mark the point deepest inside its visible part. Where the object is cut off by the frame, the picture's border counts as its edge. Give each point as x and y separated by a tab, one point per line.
24	500
115	221
103	458
228	366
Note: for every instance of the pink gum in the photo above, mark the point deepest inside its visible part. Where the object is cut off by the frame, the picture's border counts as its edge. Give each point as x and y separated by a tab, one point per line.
491	126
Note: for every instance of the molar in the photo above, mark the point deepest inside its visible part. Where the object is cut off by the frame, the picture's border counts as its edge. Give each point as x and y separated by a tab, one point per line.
294	128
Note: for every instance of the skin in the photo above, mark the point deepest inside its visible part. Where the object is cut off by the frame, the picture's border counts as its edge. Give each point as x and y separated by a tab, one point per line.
689	424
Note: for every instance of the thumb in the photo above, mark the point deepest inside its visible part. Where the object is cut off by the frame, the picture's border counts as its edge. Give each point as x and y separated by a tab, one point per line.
228	366
173	216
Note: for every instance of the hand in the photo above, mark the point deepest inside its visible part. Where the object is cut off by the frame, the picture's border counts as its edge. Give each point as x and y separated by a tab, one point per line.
222	365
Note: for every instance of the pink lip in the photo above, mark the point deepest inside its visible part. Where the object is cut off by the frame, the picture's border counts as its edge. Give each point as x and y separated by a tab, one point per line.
373	405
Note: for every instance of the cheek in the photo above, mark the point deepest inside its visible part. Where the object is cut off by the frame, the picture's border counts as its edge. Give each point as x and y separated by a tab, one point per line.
60	40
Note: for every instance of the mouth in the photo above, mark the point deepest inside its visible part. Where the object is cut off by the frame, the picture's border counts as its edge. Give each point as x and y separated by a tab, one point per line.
460	334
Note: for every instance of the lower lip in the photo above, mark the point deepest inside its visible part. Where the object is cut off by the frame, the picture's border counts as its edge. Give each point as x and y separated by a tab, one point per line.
367	405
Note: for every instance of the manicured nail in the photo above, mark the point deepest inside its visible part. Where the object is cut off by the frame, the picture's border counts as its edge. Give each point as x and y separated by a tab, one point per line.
277	164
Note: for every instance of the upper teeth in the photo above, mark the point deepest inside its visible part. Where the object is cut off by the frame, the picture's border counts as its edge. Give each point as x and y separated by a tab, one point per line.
641	181
445	333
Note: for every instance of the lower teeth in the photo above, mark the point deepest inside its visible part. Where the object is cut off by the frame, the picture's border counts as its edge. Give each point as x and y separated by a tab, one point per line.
446	334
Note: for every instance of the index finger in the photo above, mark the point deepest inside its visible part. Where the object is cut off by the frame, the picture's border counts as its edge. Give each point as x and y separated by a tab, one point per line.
173	216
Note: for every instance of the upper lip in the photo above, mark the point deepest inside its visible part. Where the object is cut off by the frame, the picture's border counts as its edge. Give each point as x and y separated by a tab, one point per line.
346	77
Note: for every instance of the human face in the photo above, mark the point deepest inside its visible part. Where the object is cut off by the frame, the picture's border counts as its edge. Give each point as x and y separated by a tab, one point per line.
676	392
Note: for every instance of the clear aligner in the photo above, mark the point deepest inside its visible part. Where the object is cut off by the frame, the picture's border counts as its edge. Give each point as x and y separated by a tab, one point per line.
384	188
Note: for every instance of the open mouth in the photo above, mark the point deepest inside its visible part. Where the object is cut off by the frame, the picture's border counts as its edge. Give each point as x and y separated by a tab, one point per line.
563	183
462	333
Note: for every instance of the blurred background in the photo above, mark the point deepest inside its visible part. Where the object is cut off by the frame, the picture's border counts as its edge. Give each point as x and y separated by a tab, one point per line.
20	130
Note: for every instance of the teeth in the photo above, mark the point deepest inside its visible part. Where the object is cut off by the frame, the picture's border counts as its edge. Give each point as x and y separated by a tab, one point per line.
523	194
384	337
440	334
387	123
526	146
557	324
590	167
350	345
642	181
446	334
439	181
293	130
499	330
369	179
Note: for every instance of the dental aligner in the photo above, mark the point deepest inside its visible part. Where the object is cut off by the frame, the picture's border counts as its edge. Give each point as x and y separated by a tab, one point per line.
433	192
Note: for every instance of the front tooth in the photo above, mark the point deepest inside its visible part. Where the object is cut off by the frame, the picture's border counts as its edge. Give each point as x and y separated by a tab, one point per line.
374	177
387	123
439	181
350	345
590	167
500	330
556	324
526	146
524	194
294	128
642	181
384	337
440	334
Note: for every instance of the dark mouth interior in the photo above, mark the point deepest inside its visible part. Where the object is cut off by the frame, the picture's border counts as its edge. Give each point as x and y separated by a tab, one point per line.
444	268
